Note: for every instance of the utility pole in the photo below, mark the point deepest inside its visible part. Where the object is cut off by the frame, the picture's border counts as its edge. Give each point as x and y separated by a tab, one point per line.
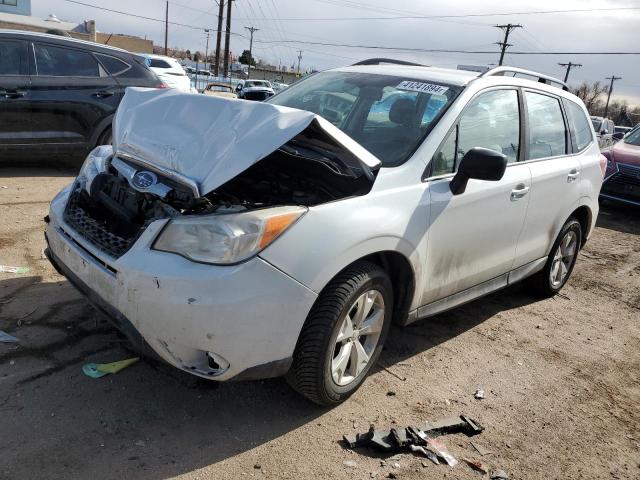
166	29
251	30
299	58
569	66
226	39
503	45
219	37
206	50
613	78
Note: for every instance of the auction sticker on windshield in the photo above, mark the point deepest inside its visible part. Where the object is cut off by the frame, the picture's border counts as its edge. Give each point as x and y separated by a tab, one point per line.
411	86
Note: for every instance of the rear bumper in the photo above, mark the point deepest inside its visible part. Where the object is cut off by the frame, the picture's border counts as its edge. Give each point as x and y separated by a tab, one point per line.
250	315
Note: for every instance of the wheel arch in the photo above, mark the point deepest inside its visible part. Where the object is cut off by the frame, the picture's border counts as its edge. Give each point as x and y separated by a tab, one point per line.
100	129
584	215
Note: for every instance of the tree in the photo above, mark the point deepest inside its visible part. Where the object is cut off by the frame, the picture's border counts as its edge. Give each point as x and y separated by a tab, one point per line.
590	94
188	54
197	57
246	58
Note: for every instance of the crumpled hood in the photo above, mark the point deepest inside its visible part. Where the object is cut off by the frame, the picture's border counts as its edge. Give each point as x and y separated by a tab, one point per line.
211	139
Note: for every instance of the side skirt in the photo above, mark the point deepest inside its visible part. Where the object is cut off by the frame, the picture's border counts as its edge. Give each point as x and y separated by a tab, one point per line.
476	291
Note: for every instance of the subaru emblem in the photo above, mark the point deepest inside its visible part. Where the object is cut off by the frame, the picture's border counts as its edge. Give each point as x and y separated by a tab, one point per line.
143	180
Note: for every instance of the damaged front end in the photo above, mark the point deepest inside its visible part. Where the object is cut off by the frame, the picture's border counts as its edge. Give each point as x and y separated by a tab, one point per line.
222	202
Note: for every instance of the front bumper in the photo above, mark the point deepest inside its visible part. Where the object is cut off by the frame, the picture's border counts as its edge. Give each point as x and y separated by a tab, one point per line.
249	314
623	185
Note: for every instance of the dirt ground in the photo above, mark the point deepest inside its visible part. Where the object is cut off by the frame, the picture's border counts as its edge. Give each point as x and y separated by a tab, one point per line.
561	378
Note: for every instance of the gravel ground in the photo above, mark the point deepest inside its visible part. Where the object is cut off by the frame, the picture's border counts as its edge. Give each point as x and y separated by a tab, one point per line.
561	378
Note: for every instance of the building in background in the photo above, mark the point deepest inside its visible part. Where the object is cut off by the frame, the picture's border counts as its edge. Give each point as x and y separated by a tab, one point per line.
17	7
84	31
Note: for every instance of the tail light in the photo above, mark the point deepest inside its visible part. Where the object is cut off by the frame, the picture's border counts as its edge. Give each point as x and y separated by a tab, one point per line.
603	164
162	85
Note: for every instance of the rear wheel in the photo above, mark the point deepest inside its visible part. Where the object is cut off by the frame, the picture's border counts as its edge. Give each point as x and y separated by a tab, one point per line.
560	262
343	335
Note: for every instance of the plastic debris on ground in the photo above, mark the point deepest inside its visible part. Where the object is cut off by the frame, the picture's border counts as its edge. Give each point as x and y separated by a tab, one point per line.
480	449
479	394
6	338
10	269
499	475
97	370
476	464
418	439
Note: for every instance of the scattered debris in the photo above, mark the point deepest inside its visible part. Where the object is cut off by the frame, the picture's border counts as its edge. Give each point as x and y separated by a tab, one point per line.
6	338
350	464
480	449
391	393
391	475
458	424
398	376
257	466
10	269
479	394
97	370
499	475
427	453
476	465
441	450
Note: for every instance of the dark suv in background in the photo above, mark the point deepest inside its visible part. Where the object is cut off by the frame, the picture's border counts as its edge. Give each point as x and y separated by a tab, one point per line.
58	95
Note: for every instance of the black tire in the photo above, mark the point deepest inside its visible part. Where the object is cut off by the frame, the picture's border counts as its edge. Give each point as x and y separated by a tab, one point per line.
310	373
105	138
540	283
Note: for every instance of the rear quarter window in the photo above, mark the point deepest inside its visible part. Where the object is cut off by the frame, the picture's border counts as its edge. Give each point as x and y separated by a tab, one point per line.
579	125
112	65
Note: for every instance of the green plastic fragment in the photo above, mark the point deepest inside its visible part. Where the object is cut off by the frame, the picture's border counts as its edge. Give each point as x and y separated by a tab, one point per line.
97	370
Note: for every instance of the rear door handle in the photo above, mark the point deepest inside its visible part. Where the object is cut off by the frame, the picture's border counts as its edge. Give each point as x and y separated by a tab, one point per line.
573	176
520	191
102	94
12	93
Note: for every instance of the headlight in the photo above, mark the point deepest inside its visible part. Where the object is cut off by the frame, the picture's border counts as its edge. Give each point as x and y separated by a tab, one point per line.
226	238
95	163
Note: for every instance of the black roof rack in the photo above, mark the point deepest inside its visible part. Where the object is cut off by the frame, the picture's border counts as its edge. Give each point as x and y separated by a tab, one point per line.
378	61
521	71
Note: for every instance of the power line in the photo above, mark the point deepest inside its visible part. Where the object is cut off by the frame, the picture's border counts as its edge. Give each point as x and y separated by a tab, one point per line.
443	50
569	66
504	45
469	15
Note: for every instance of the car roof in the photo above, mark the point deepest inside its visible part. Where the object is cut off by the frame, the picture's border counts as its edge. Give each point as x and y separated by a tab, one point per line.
498	76
158	57
62	39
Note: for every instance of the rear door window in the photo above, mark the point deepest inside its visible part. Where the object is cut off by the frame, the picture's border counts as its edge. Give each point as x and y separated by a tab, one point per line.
579	125
64	62
11	57
112	65
547	136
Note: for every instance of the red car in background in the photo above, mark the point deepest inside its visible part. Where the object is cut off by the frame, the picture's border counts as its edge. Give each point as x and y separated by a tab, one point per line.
622	178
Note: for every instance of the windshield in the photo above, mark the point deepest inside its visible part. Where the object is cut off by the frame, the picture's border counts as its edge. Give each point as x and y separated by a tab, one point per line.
633	137
253	83
388	115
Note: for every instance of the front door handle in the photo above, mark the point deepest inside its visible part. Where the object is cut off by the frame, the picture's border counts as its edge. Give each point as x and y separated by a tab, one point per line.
102	94
520	191
12	93
573	175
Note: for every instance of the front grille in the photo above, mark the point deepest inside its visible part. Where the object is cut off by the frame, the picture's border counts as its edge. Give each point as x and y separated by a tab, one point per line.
77	216
629	173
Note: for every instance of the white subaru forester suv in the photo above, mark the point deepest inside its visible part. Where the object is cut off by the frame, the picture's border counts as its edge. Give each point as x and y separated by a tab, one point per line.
242	240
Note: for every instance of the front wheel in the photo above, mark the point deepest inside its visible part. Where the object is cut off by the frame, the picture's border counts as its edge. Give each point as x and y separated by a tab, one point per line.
560	262
343	335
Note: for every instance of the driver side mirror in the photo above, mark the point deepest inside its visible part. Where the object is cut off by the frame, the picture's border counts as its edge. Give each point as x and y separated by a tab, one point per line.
481	164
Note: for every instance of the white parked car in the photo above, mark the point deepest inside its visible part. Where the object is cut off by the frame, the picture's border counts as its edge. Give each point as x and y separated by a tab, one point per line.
257	90
240	240
169	71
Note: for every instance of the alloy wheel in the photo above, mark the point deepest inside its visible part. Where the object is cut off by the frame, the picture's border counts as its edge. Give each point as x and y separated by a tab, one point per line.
360	330
563	259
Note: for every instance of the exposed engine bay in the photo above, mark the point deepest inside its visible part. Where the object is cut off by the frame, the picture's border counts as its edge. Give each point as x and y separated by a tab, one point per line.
113	208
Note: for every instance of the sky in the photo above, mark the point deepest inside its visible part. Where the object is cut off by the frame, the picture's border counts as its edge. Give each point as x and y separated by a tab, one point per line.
284	23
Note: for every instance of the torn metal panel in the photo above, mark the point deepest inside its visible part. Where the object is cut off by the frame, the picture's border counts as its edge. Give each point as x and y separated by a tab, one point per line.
210	139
